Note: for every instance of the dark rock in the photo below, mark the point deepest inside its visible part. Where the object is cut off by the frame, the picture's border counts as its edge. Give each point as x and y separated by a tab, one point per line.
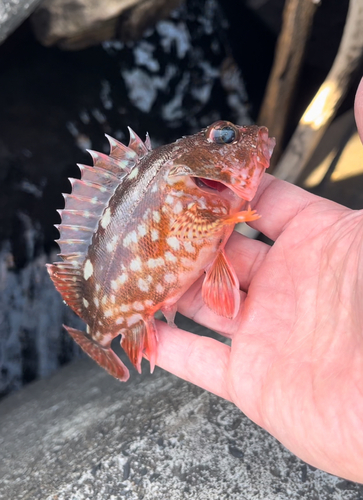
13	13
79	24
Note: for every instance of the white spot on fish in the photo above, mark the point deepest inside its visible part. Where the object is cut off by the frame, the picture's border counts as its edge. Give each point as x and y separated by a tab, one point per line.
138	306
94	200
189	247
170	278
170	257
186	263
111	245
108	313
178	207
159	288
97	335
169	199
122	278
173	242
113	299
98	287
141	228
124	308
130	238
146	214
134	172
133	319
154	234
96	301
148	303
152	263
104	299
154	188
88	269
156	216
135	264
143	285
85	303
120	320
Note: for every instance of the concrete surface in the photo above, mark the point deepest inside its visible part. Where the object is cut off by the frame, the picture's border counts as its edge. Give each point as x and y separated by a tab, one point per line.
83	435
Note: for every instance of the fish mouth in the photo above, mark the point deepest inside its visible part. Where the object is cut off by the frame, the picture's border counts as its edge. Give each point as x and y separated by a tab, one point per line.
209	185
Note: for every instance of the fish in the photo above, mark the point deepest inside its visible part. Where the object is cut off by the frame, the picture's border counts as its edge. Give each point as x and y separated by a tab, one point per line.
142	225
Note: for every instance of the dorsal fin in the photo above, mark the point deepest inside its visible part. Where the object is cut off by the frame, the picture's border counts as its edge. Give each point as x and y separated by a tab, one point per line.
91	195
148	142
68	280
136	144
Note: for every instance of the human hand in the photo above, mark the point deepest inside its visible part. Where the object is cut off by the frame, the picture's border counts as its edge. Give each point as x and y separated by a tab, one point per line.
295	365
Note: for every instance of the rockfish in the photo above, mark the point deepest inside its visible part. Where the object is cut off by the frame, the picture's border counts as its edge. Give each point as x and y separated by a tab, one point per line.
142	225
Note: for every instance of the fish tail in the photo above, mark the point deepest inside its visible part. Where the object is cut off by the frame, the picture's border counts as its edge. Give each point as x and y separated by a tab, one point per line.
104	356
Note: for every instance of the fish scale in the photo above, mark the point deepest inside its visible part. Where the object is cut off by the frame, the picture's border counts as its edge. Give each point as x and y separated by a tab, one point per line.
142	225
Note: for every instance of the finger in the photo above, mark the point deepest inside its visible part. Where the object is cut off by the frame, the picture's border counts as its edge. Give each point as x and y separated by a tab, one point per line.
200	360
246	256
278	202
358	109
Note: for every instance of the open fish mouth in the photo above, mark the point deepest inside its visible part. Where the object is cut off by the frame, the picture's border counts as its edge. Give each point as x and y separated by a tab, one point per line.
209	184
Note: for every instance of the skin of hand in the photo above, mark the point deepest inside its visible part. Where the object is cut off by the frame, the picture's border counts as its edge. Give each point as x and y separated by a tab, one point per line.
295	365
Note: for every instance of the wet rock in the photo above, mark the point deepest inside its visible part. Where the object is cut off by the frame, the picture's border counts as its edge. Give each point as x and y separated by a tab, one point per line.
82	23
13	13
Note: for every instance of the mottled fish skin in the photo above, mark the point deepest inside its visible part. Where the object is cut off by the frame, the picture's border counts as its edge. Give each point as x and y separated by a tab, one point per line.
142	226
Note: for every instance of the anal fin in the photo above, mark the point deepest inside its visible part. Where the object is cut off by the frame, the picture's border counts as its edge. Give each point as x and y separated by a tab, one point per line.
104	356
139	339
169	313
220	289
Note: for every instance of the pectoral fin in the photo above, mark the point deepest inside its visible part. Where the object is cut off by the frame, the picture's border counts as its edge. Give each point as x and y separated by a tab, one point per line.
244	216
196	223
220	290
104	356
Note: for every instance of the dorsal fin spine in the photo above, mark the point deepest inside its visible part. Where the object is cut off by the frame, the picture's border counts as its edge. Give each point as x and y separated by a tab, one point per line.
90	196
136	144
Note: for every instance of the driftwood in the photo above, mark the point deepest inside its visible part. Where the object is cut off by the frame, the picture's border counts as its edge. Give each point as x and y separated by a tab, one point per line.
297	21
323	107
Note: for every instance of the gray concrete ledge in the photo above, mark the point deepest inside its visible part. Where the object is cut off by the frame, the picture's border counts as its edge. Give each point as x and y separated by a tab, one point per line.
83	435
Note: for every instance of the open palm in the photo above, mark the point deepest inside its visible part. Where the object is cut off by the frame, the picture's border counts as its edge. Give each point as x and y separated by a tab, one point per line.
295	365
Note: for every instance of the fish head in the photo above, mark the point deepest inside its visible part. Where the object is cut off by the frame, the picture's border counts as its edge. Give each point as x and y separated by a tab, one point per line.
225	155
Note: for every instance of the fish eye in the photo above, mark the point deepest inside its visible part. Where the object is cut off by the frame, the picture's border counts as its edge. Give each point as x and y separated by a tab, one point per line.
223	135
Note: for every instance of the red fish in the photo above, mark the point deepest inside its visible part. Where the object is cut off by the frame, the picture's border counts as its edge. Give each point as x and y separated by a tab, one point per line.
142	225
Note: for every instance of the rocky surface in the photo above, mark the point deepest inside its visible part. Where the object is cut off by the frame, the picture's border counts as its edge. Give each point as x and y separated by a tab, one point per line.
77	24
82	435
13	13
